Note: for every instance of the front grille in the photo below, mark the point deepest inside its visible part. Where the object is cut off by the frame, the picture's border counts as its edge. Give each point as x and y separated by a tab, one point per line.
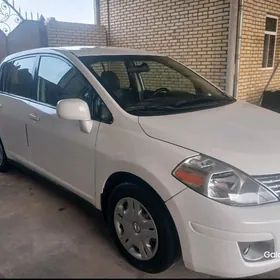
270	181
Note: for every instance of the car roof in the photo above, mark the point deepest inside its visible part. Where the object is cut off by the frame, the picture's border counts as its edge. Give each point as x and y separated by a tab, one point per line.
89	50
82	51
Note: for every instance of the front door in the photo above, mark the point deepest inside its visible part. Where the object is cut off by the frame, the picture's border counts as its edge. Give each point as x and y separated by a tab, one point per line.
58	148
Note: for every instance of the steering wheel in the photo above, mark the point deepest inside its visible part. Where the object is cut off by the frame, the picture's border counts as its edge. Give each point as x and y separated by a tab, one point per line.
160	90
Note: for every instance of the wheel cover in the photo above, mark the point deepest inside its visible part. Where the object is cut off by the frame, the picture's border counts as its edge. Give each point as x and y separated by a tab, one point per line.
1	155
136	229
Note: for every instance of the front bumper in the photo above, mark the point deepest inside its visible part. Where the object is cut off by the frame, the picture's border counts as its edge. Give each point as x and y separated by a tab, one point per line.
209	234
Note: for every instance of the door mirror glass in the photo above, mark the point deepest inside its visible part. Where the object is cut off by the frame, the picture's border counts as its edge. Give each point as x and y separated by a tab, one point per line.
73	109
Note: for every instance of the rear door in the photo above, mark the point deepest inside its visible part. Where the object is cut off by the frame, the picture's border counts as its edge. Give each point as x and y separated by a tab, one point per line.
17	88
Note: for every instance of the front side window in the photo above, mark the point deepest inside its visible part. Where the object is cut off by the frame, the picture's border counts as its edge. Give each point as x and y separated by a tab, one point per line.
58	79
270	35
18	77
155	85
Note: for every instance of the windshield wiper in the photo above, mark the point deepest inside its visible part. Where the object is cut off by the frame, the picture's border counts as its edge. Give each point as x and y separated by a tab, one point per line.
152	108
200	101
182	105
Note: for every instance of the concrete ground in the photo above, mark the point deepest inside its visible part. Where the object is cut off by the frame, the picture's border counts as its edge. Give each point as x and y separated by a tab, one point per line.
46	232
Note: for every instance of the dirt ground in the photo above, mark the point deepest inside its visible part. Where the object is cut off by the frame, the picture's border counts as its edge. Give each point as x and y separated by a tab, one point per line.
46	232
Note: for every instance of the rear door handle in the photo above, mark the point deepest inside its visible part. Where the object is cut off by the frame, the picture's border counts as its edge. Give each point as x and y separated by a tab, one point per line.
1	106
34	117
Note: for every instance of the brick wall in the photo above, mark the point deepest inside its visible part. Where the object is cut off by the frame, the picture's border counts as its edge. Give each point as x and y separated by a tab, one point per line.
162	76
117	66
159	76
253	78
195	32
67	34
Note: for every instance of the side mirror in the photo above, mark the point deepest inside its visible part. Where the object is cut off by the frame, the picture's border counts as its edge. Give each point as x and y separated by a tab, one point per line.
75	109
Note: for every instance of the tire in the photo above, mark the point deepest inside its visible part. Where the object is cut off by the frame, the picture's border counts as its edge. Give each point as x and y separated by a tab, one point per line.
162	249
3	159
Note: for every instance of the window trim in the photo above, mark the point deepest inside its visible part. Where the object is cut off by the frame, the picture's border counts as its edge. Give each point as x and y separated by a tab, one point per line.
57	56
274	33
1	78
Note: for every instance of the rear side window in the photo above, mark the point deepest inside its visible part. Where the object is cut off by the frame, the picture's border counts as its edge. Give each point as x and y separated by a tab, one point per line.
19	78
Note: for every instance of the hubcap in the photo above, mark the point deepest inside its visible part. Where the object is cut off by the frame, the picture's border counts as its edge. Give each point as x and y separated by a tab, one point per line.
1	155
136	229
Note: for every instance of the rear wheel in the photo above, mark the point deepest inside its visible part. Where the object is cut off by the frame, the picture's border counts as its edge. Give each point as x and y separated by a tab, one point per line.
3	159
142	228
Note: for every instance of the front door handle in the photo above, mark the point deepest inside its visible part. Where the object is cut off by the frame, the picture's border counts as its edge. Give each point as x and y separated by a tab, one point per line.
1	106
34	117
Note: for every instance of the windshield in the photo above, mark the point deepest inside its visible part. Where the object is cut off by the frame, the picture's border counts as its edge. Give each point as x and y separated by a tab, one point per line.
154	85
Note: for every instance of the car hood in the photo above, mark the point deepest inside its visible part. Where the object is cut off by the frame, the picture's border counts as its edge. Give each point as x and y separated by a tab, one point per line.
241	134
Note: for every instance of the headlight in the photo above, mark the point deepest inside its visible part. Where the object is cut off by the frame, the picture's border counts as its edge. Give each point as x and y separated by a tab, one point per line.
221	182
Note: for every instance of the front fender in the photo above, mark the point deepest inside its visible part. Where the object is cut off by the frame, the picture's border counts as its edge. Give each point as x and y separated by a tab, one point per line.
133	152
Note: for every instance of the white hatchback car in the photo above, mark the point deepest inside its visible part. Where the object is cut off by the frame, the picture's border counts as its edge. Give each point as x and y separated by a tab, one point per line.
177	166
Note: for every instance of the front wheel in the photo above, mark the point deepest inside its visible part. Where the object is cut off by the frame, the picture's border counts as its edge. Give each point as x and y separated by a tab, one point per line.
142	228
3	159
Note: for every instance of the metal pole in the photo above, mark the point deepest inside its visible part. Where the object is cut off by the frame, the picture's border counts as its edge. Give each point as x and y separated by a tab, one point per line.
109	29
270	79
96	11
273	73
232	41
238	51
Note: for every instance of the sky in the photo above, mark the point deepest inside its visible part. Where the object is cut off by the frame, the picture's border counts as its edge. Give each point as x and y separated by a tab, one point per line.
62	10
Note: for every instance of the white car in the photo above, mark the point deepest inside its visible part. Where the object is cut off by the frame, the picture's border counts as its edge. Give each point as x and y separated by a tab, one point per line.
178	167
